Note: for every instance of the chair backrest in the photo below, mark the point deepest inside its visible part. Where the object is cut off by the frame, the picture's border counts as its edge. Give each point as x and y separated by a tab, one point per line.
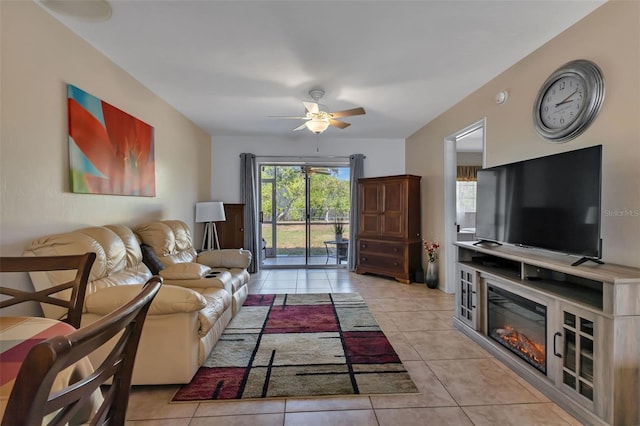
76	287
30	400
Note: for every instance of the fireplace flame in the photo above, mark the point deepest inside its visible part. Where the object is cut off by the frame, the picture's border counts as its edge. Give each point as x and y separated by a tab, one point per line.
521	343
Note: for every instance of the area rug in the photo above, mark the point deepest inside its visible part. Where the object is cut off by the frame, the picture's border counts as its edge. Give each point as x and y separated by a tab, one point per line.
300	345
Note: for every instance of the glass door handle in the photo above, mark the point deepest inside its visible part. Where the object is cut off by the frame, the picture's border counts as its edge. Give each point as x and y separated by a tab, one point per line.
555	352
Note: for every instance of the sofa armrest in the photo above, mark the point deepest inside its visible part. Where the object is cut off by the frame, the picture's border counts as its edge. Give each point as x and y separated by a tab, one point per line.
169	300
226	258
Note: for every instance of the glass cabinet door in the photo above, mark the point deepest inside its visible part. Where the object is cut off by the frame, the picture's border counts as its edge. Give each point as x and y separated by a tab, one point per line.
577	353
466	296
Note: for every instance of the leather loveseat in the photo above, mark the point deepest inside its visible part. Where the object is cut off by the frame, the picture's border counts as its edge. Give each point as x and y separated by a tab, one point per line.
184	322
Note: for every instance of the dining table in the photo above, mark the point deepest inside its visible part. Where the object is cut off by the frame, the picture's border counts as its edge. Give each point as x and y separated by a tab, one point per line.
21	333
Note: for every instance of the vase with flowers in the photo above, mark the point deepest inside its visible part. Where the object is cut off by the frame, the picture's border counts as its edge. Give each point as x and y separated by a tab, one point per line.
431	277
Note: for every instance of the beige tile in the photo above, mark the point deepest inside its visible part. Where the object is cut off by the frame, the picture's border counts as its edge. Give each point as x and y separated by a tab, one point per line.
228	408
517	415
440	304
432	393
444	344
328	404
241	420
333	418
446	316
481	382
385	323
415	321
445	416
279	284
152	402
402	304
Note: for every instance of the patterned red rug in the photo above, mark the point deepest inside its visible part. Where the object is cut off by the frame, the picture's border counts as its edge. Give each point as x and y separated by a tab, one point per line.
300	345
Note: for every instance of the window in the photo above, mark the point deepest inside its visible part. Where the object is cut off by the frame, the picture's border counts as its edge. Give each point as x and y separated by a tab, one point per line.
466	204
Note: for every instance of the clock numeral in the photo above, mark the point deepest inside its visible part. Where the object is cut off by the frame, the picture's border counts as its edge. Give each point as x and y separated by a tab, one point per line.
561	85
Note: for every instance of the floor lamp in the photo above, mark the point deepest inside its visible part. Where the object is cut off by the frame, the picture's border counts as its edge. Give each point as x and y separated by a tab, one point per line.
210	212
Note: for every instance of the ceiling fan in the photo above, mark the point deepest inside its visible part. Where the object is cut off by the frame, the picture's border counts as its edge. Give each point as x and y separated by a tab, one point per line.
317	120
315	170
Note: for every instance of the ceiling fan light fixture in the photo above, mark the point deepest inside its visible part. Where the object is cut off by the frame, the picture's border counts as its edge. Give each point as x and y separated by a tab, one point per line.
317	125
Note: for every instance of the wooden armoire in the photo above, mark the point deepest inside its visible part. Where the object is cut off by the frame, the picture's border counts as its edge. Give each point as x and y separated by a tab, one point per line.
231	231
389	238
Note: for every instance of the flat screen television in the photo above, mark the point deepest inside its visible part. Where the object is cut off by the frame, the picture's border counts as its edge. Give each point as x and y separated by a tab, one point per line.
551	202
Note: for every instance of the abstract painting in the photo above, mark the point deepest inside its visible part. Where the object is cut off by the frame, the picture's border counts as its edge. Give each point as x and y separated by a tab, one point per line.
110	151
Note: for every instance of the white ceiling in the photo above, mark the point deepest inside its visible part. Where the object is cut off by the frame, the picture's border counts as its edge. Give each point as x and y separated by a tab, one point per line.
229	65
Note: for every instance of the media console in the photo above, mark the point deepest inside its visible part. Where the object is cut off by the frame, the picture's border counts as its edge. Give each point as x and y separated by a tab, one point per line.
571	331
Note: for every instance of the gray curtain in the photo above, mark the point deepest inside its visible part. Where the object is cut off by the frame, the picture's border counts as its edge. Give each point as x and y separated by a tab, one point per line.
356	161
249	196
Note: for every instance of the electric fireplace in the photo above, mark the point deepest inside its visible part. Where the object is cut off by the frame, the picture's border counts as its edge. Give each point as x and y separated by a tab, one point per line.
518	324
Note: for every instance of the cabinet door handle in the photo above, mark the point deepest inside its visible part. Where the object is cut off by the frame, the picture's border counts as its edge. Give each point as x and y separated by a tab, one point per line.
364	259
364	246
395	263
555	352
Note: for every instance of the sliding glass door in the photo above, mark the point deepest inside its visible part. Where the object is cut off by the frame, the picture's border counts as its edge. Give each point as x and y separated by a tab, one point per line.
302	206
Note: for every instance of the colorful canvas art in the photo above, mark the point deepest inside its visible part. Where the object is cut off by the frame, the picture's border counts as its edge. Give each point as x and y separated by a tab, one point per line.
110	151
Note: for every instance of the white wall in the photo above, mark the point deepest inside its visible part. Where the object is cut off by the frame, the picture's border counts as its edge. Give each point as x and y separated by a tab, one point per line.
384	156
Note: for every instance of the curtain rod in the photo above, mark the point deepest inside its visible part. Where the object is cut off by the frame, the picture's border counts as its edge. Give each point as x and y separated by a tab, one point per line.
303	157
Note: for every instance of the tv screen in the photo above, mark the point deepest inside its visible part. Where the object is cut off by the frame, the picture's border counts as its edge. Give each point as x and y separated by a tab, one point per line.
550	202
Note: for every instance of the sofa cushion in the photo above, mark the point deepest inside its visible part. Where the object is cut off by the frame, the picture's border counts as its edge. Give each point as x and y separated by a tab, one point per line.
151	260
169	300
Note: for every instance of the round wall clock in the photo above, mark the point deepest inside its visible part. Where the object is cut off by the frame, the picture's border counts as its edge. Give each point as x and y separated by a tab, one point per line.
568	101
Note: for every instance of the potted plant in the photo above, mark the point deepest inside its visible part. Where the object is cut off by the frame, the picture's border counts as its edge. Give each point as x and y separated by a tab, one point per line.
338	228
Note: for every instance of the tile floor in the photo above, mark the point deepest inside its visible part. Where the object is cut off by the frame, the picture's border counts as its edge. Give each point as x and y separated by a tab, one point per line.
460	383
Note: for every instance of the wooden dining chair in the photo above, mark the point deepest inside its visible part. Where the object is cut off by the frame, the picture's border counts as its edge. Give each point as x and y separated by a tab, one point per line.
30	401
77	287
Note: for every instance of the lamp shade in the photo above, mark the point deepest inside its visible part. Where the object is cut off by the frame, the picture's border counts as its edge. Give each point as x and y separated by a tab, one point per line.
210	211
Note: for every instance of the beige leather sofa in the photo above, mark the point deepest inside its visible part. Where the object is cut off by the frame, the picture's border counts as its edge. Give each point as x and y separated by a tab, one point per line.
184	321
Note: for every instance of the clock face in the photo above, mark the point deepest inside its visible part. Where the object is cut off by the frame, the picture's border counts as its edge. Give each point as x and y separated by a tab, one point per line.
563	102
568	101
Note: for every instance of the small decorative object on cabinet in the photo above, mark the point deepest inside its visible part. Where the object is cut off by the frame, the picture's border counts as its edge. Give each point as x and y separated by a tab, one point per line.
231	232
389	226
432	274
432	263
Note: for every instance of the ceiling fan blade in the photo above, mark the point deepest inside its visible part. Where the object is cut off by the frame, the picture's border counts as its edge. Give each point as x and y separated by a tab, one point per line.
300	127
348	112
340	124
288	117
312	107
